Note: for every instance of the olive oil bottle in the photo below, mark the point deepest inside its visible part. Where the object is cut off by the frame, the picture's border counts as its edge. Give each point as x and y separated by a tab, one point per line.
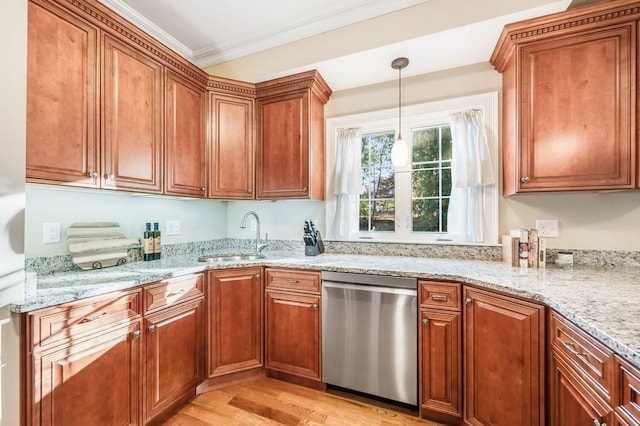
148	243
156	241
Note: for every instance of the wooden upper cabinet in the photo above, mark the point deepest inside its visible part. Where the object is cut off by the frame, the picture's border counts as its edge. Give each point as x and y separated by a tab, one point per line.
62	98
231	153
132	119
569	99
185	171
504	366
290	161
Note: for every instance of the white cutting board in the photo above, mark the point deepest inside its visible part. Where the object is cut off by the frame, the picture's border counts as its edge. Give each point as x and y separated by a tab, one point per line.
95	245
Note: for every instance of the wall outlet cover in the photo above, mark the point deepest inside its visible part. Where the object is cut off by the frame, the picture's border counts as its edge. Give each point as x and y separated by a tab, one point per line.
173	227
547	228
51	232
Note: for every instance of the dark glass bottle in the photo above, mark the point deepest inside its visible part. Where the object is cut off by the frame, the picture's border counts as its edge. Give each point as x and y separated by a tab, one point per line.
156	241
147	244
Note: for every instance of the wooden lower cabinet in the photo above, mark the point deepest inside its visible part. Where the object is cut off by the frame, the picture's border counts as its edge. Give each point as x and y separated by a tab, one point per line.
440	351
234	323
173	354
572	403
293	322
95	382
503	360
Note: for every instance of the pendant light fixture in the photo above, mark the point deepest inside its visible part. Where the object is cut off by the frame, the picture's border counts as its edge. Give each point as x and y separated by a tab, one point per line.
400	149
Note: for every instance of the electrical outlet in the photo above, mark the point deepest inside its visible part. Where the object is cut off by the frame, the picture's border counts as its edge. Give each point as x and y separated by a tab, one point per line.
173	227
547	228
51	232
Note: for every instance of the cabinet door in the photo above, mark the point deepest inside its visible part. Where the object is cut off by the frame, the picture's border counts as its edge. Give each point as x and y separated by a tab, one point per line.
577	128
231	160
293	333
441	361
503	361
132	119
283	150
62	98
184	137
572	404
174	357
91	383
234	321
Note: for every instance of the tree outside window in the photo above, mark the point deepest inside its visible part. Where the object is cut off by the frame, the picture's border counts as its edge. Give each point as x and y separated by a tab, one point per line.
377	199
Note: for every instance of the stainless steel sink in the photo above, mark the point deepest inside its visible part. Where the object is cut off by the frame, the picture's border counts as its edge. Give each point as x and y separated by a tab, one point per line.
215	258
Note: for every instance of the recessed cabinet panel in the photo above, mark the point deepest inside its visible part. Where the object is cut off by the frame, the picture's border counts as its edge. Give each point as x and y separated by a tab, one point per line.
132	119
232	147
62	98
185	169
577	130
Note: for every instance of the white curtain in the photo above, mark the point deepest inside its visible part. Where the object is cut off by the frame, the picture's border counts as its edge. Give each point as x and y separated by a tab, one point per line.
347	181
471	172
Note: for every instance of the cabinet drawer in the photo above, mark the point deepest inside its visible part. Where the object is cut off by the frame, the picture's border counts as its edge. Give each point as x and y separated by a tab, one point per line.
439	295
172	291
293	280
593	361
74	321
629	407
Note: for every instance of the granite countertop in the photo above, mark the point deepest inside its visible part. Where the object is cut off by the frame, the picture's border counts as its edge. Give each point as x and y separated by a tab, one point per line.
604	302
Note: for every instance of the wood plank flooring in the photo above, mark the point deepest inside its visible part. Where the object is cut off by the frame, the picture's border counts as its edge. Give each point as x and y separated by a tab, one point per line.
266	401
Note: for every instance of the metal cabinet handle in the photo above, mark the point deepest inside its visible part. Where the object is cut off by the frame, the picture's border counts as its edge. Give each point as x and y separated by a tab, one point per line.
304	189
425	321
97	317
111	176
572	348
439	297
258	277
524	179
136	334
314	306
250	191
94	177
176	294
202	188
152	328
468	300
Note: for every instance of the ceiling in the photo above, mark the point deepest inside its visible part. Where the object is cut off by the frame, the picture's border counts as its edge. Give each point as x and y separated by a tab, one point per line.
213	32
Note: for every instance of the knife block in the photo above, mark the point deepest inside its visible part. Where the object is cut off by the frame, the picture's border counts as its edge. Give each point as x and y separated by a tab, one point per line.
311	250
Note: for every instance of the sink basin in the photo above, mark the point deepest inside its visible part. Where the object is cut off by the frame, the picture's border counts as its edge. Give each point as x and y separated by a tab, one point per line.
214	258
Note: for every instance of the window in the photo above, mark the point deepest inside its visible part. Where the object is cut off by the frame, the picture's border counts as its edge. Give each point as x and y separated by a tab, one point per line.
409	204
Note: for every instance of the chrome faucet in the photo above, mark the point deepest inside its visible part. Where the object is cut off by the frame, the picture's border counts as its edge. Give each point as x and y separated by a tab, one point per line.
243	225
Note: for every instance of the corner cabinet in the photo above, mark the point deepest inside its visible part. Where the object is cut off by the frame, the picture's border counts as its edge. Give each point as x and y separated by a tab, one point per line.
234	321
231	155
504	360
290	136
569	99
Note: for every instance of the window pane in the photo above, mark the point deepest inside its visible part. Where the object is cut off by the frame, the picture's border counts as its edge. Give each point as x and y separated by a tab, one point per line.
445	209
431	178
425	182
377	204
377	215
426	215
426	145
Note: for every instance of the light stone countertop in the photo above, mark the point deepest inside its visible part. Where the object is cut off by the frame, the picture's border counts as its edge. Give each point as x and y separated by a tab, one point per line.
604	302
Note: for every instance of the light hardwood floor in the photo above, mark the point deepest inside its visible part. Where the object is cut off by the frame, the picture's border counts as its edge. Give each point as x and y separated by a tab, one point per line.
265	401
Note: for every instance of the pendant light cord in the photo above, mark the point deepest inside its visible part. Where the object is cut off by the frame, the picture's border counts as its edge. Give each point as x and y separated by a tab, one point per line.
399	102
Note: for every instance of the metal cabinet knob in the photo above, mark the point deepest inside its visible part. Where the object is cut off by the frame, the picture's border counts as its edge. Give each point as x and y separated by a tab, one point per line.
467	300
305	189
314	306
524	179
136	334
94	176
152	328
250	191
202	188
111	176
425	321
258	277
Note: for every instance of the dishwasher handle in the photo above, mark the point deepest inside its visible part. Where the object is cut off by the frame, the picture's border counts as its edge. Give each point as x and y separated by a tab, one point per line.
370	288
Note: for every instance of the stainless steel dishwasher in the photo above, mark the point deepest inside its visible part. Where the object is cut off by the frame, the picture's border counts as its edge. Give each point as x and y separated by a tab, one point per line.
370	334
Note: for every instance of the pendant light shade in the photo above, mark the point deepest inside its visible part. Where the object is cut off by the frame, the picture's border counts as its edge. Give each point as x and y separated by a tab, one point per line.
400	149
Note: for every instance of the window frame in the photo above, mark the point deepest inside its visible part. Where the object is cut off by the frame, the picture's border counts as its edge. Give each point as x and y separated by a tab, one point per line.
413	116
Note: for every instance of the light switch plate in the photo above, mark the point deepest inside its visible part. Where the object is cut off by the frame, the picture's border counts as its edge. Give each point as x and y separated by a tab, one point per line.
51	232
173	227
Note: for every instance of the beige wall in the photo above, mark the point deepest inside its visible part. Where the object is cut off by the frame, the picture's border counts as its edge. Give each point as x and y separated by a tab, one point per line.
587	220
13	32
